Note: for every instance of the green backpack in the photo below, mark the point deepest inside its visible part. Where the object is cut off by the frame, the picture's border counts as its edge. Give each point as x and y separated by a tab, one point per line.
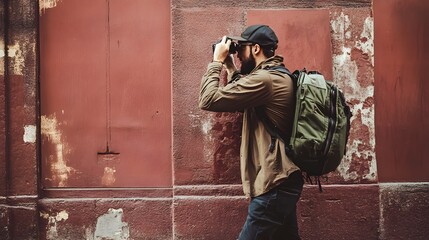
321	124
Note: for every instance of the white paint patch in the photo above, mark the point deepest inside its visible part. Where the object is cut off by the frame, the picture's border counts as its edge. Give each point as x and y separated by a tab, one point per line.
29	134
206	126
18	63
366	41
16	53
197	121
204	123
110	226
345	68
341	27
13	51
52	232
109	176
59	168
46	4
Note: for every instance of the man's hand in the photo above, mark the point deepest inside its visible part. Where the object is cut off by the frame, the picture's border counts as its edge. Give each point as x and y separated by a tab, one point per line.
221	50
221	54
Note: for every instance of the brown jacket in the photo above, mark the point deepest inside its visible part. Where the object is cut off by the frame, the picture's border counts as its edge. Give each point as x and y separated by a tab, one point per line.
261	169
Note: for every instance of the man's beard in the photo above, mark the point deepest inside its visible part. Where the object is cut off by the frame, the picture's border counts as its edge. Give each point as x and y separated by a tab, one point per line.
248	65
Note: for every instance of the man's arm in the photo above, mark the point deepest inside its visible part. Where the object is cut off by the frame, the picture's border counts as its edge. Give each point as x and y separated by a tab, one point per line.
246	92
209	85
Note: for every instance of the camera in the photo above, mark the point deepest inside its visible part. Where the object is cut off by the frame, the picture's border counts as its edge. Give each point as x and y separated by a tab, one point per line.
232	48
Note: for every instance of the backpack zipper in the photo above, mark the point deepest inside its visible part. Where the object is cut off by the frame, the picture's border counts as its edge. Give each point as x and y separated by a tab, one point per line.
332	120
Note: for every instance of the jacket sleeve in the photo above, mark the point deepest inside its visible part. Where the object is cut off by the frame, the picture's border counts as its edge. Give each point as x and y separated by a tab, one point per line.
239	94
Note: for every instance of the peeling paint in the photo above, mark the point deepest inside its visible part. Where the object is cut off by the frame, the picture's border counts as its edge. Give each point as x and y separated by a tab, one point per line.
2	49
345	68
108	178
341	27
366	41
16	53
366	116
111	226
52	232
29	134
346	76
59	168
206	127
46	4
205	124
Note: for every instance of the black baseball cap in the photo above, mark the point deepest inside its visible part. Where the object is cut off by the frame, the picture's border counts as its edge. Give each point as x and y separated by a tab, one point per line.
260	34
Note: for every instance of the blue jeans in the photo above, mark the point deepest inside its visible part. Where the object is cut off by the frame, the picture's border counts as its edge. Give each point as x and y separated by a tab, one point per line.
272	215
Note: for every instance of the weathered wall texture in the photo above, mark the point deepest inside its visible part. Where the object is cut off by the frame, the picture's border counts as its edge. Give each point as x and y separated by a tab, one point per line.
404	210
18	100
106	218
205	200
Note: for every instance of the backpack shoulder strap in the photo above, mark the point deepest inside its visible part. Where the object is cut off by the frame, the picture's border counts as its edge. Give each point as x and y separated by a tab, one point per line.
270	128
260	111
294	76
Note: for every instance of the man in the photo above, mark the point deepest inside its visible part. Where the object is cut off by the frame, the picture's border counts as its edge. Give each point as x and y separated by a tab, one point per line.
269	177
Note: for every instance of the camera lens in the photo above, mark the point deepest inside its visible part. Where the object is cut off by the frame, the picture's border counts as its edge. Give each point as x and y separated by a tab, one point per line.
233	48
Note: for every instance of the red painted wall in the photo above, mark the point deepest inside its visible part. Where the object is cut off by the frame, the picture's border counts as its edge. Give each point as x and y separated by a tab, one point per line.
402	92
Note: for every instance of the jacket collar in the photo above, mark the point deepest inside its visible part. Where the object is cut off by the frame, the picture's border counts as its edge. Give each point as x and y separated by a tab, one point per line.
269	63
